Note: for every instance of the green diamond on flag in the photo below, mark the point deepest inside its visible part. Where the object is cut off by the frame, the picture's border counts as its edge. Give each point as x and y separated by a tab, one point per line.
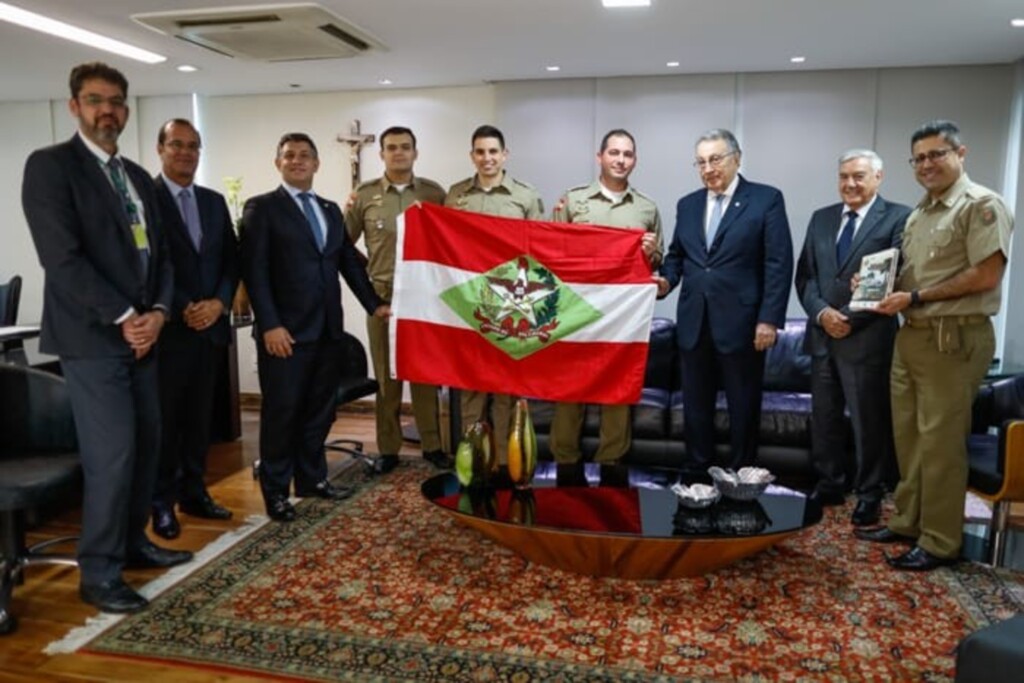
520	306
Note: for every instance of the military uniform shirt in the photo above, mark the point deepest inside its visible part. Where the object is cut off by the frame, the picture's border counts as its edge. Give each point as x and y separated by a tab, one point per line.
374	213
947	235
510	199
588	204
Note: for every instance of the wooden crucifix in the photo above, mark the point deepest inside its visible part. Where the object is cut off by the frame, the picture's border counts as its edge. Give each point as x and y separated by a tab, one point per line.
356	140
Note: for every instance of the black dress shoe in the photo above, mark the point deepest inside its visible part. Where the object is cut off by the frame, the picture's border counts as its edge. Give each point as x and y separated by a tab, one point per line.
882	534
152	556
327	491
917	559
165	523
385	464
866	513
114	596
279	509
204	507
826	498
439	459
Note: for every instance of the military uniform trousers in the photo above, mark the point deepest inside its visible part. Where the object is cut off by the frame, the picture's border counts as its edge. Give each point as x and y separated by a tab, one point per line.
389	397
932	394
615	435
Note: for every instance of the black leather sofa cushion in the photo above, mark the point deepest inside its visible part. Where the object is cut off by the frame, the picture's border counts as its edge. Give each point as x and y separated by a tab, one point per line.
785	419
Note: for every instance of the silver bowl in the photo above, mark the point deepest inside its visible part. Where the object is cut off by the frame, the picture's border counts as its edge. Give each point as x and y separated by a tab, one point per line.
697	496
747	484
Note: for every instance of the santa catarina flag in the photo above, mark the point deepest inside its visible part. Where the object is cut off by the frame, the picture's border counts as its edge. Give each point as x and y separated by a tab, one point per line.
530	308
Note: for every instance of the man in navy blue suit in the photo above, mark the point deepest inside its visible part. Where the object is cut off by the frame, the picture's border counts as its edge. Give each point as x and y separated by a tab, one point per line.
850	351
294	245
733	255
204	253
106	296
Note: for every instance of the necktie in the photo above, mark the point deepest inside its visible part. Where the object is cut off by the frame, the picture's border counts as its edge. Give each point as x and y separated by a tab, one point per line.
190	214
314	224
846	237
130	208
716	218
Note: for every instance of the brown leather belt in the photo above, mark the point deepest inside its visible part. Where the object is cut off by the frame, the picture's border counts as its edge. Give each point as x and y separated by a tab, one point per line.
936	321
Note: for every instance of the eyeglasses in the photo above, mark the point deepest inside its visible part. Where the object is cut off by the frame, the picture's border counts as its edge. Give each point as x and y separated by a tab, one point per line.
932	156
713	161
117	102
179	146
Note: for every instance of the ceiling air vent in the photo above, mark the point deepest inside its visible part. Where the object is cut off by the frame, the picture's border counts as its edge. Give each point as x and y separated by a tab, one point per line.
269	33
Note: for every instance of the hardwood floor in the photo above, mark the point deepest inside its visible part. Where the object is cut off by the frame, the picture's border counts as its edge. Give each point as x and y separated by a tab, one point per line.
47	604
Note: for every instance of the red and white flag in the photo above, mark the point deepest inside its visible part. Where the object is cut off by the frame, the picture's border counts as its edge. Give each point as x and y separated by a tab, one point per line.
530	308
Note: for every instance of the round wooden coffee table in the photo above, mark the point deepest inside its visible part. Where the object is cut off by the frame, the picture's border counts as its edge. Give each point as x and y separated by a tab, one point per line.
621	522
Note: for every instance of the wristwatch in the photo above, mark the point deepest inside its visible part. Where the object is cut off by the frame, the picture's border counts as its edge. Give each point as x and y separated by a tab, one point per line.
915	299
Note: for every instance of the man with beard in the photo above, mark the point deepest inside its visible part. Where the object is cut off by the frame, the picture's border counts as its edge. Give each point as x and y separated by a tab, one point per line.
94	220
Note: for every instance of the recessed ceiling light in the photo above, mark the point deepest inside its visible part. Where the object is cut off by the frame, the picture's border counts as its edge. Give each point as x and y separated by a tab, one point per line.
1017	23
384	81
798	60
626	3
672	64
553	68
37	22
187	68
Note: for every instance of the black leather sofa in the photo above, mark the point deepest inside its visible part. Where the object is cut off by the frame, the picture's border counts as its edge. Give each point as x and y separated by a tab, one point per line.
785	438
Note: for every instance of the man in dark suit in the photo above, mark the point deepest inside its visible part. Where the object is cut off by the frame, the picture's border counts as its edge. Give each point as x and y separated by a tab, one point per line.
204	253
294	245
106	297
851	351
733	254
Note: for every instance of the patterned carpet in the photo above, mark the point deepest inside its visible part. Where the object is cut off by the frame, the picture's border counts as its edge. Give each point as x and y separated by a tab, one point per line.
383	587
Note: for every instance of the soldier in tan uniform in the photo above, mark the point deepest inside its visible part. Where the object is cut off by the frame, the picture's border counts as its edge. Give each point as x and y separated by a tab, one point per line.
492	191
955	248
608	201
372	214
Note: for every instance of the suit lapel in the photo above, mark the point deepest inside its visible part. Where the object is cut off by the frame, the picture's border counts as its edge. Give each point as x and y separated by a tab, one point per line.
332	228
94	173
868	225
298	216
737	205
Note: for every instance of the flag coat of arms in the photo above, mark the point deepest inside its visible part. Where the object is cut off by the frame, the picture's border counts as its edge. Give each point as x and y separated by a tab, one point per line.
530	308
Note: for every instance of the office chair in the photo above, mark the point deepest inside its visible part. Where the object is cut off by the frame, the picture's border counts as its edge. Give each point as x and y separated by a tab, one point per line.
996	456
10	297
355	384
39	465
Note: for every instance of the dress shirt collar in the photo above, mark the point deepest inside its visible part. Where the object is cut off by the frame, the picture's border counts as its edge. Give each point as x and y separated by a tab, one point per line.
950	196
98	151
386	183
598	189
175	188
504	185
861	212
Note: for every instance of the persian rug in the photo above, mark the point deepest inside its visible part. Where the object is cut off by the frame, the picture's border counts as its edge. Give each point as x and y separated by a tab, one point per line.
384	587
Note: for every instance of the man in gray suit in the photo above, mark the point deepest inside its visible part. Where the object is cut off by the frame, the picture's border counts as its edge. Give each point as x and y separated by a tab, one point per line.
851	351
108	289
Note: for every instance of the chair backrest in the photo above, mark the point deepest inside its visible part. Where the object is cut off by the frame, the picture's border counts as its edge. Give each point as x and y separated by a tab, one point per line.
353	357
10	297
35	412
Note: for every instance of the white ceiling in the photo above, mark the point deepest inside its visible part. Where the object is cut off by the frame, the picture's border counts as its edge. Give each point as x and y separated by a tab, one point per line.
468	42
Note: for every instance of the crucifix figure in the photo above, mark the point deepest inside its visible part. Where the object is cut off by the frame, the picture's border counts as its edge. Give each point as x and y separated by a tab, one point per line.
356	141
